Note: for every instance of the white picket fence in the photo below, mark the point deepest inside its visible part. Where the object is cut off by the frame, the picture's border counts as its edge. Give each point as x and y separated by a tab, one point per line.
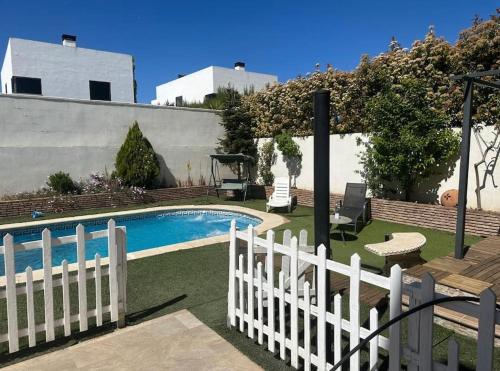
249	281
116	269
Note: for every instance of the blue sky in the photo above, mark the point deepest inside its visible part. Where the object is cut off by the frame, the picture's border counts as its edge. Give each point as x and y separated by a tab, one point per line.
285	38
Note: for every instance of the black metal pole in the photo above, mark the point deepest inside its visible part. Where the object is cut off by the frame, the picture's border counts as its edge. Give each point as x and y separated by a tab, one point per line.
322	188
464	171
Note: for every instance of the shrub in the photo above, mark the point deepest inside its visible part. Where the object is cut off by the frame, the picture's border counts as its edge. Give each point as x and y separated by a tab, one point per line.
287	146
267	158
136	162
409	140
62	183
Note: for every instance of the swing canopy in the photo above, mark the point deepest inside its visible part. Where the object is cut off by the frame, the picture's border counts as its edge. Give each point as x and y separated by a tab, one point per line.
240	184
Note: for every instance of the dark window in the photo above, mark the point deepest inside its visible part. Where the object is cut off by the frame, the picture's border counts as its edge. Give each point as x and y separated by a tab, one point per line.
178	101
100	90
6	89
26	85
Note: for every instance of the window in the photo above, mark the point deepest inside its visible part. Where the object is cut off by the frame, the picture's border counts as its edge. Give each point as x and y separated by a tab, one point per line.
178	101
100	90
26	85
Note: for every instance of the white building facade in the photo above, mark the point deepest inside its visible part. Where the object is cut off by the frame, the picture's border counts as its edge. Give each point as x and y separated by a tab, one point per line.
193	88
67	71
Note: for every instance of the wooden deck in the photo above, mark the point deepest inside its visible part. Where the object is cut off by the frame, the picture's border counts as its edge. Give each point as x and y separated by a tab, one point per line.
478	270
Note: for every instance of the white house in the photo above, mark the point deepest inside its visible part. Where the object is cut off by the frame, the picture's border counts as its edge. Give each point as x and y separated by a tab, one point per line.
68	71
197	85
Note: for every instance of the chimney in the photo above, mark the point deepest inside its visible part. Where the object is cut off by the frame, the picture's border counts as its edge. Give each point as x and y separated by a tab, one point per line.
180	75
68	40
239	66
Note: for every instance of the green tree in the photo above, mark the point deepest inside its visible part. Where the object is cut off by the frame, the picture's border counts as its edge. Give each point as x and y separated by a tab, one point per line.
409	140
238	126
136	162
267	158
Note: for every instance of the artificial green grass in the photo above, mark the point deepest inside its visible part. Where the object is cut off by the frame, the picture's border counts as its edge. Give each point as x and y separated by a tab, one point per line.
197	280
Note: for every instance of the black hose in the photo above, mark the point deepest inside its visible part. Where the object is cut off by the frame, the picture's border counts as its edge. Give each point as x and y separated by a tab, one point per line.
399	318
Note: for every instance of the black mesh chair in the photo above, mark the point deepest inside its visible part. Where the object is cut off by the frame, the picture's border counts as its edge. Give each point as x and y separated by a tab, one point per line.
354	205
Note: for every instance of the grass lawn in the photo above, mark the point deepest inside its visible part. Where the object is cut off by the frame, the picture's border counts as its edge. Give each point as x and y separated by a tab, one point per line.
196	280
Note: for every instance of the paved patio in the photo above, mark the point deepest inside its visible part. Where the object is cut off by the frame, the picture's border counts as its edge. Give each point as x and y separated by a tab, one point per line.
178	341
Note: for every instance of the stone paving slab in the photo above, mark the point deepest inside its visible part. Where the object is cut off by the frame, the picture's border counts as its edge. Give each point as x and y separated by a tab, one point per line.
177	341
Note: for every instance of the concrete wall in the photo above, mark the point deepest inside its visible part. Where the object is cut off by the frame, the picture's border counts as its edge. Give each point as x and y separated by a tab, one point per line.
344	167
65	71
195	86
43	135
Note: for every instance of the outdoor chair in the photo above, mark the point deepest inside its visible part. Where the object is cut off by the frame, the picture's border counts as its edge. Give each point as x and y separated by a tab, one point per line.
354	205
281	196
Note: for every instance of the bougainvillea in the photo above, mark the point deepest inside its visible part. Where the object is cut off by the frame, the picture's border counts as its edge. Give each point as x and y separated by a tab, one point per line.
288	106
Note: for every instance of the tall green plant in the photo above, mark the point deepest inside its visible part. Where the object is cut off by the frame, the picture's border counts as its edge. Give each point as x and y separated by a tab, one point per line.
136	162
267	158
409	140
238	126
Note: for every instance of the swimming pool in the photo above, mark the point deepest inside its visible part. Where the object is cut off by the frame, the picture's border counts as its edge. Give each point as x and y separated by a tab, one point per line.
144	231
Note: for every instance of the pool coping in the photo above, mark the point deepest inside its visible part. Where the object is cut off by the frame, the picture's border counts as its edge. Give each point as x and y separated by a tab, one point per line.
269	221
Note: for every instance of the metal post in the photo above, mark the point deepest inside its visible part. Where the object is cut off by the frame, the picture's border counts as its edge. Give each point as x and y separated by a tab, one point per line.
322	189
464	171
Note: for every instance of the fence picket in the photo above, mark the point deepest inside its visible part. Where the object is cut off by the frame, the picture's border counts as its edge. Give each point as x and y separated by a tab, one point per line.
98	295
294	315
241	292
307	327
285	259
303	238
374	341
337	329
250	287
11	293
282	340
413	332
66	303
321	320
395	295
231	297
270	289
82	277
48	293
354	318
113	270
260	305
426	323
30	308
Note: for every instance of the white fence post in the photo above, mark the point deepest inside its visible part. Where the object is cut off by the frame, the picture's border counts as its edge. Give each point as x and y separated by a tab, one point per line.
260	305
121	278
11	293
337	329
113	270
321	320
395	296
374	341
270	289
82	277
98	293
250	286
241	291
486	330
354	309
307	327
282	338
48	293
231	296
294	308
30	308
66	302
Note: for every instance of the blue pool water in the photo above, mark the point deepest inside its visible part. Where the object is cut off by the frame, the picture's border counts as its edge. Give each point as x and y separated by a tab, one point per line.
144	231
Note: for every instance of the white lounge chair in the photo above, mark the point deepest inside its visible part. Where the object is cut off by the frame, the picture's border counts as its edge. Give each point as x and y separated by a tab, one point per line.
281	196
